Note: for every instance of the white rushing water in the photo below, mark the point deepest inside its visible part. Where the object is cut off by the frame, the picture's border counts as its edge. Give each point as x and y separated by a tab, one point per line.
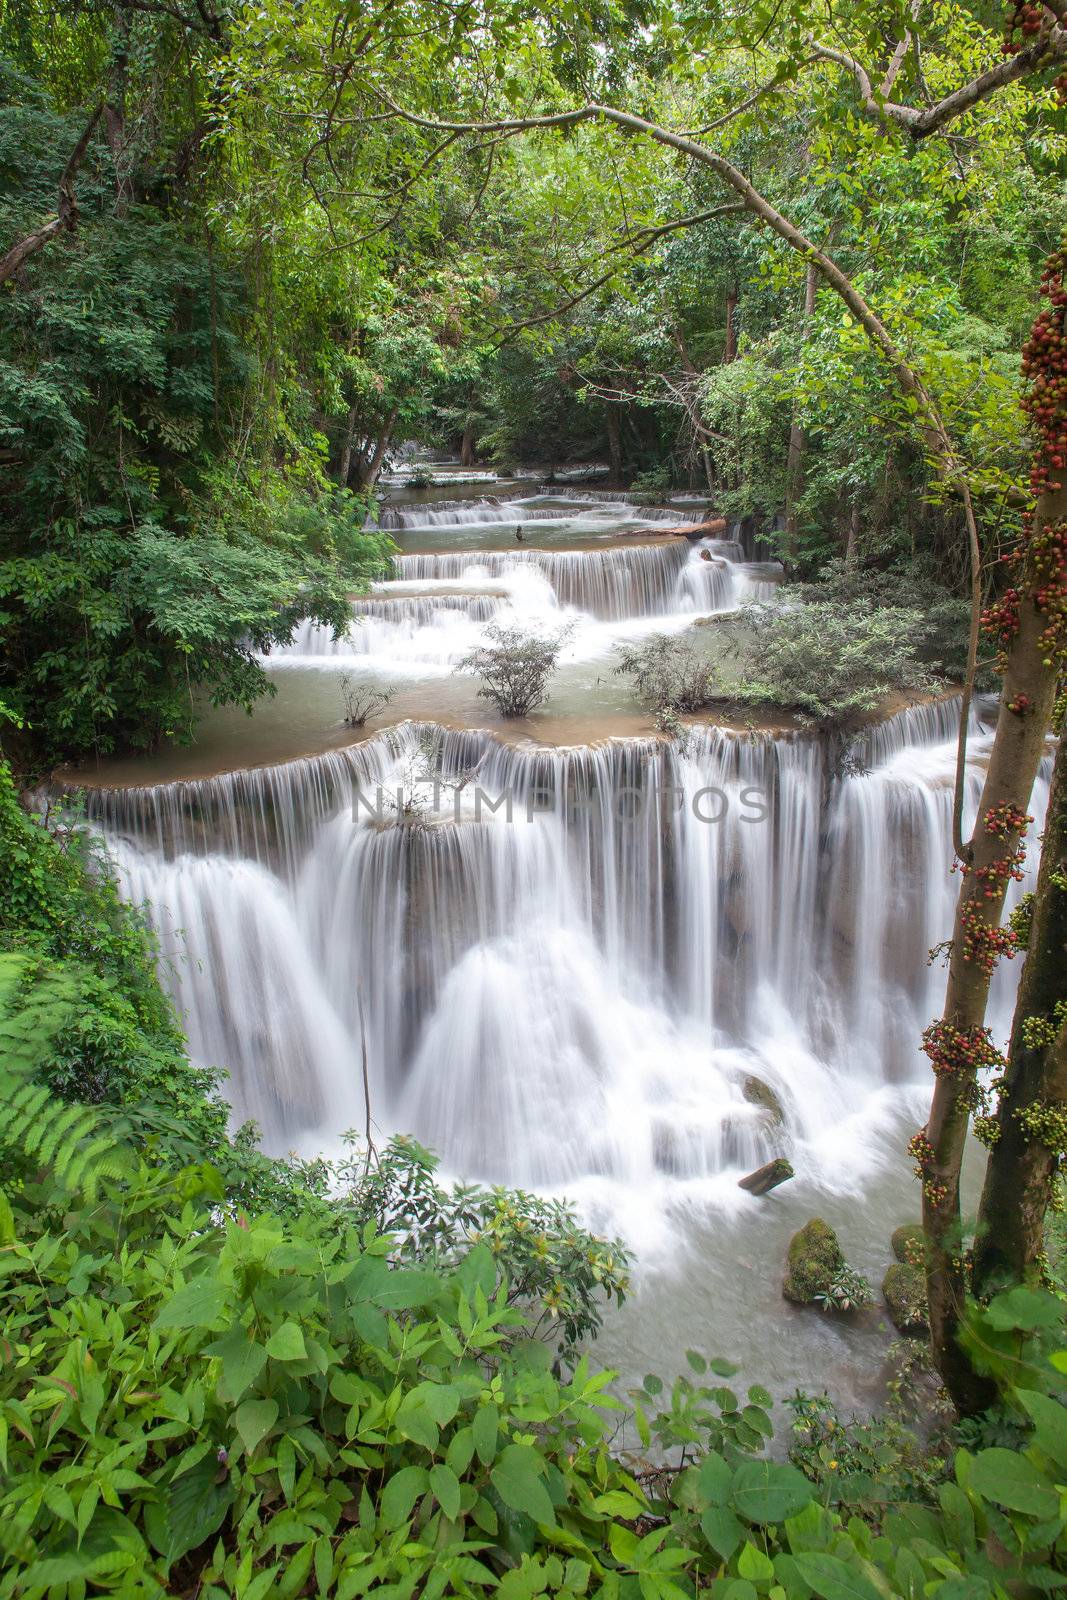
579	969
577	996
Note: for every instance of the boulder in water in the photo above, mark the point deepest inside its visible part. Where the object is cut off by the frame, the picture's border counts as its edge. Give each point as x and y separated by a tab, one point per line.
904	1293
768	1177
758	1093
813	1261
908	1243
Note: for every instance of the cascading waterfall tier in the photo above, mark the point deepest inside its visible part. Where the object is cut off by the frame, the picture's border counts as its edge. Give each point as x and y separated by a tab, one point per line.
624	581
569	966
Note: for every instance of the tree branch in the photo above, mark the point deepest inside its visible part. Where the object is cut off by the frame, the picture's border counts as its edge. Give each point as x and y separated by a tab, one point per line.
1048	48
66	218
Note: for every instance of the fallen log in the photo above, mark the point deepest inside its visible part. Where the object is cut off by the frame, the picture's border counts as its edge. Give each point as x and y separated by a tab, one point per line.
693	530
766	1178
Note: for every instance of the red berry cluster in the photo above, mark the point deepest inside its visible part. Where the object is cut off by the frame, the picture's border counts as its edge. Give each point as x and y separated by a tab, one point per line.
960	1052
1001	618
985	942
1045	367
922	1153
1004	820
1047	560
1020	705
1028	21
994	878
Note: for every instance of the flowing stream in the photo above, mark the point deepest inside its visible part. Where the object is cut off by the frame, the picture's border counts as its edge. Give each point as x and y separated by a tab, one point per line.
622	969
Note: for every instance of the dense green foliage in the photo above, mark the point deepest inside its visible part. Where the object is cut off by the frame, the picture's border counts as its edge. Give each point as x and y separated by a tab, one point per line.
265	1406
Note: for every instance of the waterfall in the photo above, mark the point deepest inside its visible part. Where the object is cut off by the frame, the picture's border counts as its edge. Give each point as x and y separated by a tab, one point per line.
624	581
573	965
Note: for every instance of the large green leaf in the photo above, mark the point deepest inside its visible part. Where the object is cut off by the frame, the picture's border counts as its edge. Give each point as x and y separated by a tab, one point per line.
445	1487
242	1362
401	1493
192	1509
1011	1480
769	1491
834	1579
516	1478
199	1304
287	1343
253	1420
1050	1423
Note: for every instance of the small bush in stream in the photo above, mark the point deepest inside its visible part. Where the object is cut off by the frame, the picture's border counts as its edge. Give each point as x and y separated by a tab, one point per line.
668	673
515	667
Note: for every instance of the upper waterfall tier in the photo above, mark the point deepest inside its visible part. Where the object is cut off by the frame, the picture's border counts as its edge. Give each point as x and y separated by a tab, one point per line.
569	966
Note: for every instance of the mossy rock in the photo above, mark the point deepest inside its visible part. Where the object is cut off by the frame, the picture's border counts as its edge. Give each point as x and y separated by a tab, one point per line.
758	1093
904	1293
907	1243
813	1260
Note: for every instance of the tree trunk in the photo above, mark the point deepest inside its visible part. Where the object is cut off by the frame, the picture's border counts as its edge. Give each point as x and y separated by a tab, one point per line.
377	460
1034	654
115	113
66	218
344	469
730	352
1032	1111
466	448
852	542
794	466
614	432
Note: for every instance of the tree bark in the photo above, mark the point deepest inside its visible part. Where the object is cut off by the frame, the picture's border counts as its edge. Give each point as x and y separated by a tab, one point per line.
344	467
852	542
730	352
1029	1146
794	466
1033	660
115	112
66	218
466	448
377	461
614	432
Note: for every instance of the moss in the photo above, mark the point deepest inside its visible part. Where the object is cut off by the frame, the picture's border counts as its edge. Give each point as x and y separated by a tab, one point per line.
813	1260
904	1293
907	1243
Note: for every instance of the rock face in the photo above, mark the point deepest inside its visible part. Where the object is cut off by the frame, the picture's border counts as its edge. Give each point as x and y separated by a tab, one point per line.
904	1293
768	1177
758	1093
813	1260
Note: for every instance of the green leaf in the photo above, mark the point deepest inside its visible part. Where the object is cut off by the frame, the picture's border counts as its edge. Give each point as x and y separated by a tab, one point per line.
444	1486
714	1479
484	1428
242	1362
769	1491
401	1493
1011	1480
755	1565
1025	1309
1050	1423
287	1343
516	1479
253	1420
833	1579
198	1304
722	1530
406	1287
192	1508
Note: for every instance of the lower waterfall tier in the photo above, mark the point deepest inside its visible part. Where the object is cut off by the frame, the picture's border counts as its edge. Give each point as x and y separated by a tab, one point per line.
634	965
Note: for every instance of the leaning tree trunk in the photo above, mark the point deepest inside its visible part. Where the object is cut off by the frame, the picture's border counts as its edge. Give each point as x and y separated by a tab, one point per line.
344	467
1029	1136
466	448
1031	621
798	442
